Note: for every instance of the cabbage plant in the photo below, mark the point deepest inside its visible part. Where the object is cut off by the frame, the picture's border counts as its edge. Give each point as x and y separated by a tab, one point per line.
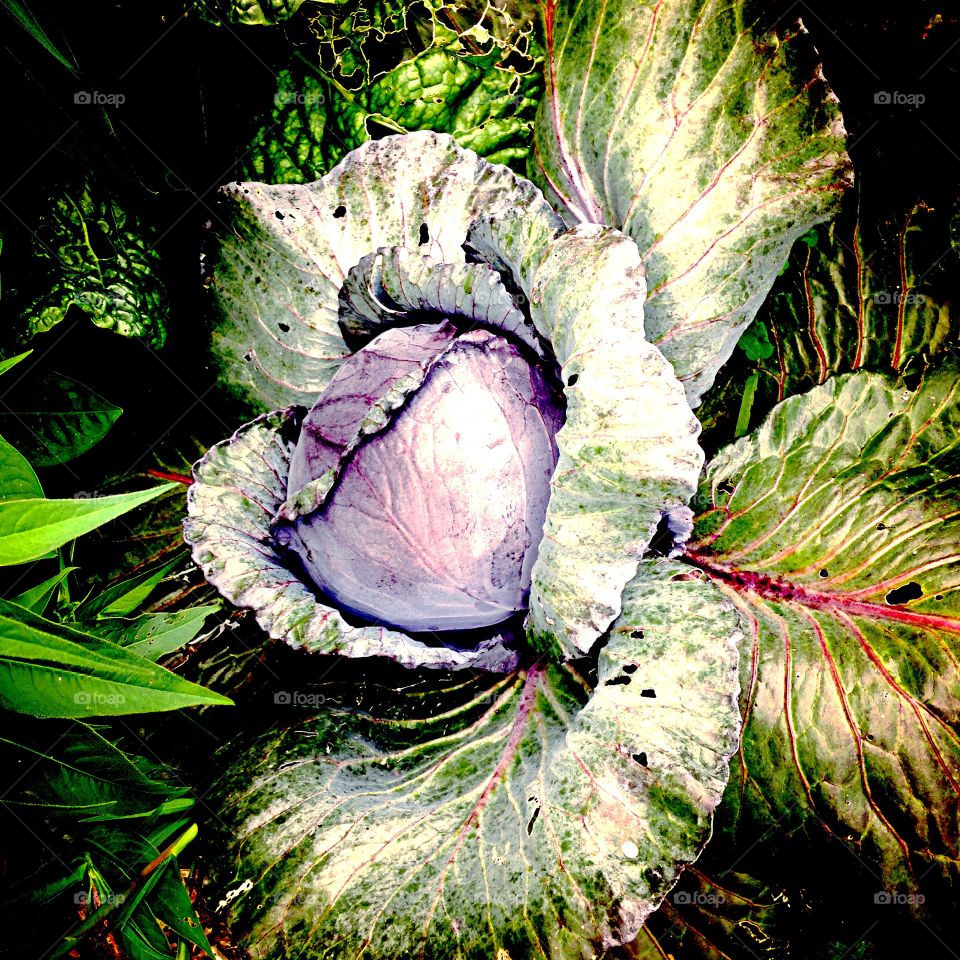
465	444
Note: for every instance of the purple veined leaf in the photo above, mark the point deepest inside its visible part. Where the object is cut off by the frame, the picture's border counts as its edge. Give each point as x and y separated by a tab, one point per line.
538	814
711	139
834	529
428	506
239	489
278	271
871	290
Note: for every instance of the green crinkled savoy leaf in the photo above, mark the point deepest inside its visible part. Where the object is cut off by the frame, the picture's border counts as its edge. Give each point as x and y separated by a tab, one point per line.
55	419
537	814
248	13
711	140
100	258
834	529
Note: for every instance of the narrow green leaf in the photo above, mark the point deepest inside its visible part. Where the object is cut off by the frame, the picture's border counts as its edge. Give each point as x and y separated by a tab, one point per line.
155	635
125	597
18	480
26	19
746	404
51	670
11	362
30	529
37	598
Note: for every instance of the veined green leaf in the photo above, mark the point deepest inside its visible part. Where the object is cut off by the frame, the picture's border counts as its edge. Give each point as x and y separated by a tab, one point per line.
834	528
18	481
55	419
155	635
710	139
31	528
37	598
50	670
535	813
124	598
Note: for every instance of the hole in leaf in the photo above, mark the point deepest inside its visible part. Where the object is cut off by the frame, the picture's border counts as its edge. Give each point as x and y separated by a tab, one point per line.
284	327
248	357
630	668
278	214
938	596
617	681
424	234
881	526
572	379
341	211
258	279
641	758
532	821
636	634
649	692
824	573
909	591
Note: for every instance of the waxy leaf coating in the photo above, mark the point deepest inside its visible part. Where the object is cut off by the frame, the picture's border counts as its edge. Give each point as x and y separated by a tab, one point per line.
539	814
834	528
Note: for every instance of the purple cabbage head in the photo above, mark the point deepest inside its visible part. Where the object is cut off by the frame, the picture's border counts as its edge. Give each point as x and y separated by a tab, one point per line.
418	488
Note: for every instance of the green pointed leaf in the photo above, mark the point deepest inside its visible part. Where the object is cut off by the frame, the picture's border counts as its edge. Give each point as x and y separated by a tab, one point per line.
18	481
536	814
30	529
55	419
37	598
123	598
50	670
21	13
834	529
11	362
155	635
711	140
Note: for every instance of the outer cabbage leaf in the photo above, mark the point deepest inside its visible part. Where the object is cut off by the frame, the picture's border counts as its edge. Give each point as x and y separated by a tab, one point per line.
281	266
99	257
834	528
711	140
250	13
537	815
628	448
870	290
